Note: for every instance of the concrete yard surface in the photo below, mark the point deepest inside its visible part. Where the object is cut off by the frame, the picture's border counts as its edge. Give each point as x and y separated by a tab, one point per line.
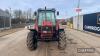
15	45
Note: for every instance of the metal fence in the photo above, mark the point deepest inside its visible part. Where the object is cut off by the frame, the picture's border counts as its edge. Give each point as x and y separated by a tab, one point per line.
15	22
4	22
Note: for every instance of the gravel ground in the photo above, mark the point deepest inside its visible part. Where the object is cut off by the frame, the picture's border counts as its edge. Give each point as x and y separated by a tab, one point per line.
15	45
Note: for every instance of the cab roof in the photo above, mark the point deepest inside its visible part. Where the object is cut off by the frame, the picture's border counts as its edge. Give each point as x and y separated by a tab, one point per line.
47	9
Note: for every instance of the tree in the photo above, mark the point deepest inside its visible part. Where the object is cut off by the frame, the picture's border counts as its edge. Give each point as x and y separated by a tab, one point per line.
18	14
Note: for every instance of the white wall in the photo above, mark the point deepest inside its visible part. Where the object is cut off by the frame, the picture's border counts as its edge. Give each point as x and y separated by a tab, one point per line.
81	23
75	21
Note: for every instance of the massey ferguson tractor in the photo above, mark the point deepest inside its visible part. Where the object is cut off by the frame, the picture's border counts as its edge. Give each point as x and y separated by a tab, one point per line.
46	28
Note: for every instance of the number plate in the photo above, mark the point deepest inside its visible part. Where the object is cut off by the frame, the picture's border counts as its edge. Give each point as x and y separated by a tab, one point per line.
44	31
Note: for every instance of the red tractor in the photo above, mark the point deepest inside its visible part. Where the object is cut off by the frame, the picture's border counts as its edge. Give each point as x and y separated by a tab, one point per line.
46	28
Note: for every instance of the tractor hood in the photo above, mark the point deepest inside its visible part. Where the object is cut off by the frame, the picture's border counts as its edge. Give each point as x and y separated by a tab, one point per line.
47	23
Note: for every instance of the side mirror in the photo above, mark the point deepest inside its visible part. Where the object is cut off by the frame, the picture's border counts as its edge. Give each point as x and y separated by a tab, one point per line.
35	13
58	13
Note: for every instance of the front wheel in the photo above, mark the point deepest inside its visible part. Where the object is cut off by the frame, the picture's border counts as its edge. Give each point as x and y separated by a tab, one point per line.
31	41
62	40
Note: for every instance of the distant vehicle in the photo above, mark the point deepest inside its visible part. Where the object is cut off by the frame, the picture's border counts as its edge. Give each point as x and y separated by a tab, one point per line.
46	28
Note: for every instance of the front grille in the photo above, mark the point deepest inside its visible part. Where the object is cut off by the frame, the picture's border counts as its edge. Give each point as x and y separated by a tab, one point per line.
41	28
46	28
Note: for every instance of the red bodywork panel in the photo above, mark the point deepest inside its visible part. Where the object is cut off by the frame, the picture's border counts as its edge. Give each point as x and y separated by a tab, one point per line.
57	25
36	25
46	23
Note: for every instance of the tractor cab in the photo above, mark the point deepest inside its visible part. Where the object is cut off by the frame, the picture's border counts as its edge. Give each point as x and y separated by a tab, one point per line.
46	16
46	21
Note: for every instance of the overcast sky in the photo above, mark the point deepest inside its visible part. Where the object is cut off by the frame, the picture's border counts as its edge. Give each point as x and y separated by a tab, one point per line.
65	7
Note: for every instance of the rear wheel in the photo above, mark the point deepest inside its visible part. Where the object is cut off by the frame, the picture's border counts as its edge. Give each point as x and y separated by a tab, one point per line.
62	40
31	41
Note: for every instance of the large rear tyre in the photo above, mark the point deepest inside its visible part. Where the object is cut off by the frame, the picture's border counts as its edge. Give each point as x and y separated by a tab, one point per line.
31	41
62	41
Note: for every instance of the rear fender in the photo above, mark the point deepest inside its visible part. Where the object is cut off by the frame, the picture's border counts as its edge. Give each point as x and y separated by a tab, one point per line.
33	30
61	30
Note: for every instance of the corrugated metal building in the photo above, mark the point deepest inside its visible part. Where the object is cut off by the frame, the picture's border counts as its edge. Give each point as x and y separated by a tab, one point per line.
91	22
4	20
